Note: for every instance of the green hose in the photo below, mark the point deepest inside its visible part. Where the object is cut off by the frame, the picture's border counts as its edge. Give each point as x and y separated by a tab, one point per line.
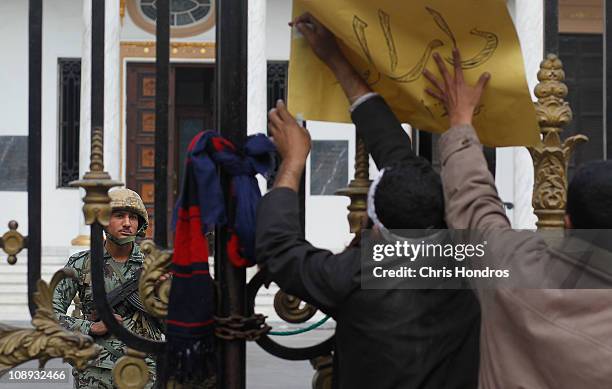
300	330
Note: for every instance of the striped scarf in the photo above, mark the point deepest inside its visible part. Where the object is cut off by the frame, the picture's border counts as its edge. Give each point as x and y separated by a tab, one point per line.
200	207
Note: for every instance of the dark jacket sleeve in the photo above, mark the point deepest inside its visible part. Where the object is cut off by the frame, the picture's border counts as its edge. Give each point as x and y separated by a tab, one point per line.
314	275
382	133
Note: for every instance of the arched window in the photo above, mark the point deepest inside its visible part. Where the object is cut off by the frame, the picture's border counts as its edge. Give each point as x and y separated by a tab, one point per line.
187	17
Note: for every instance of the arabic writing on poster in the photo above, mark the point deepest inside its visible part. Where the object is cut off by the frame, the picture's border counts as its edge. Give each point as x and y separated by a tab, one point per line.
390	43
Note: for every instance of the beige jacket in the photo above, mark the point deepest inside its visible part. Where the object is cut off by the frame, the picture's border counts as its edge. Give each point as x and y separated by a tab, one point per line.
530	338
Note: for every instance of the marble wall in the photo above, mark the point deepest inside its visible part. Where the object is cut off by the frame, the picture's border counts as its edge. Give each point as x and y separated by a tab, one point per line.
328	167
13	163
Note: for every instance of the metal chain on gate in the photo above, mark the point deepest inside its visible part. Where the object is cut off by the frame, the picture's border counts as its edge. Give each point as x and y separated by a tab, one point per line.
238	327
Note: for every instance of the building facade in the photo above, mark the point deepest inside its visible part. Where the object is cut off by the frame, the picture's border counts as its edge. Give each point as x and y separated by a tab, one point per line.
130	111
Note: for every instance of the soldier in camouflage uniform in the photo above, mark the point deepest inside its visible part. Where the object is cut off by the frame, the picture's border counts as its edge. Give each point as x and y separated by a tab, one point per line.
122	259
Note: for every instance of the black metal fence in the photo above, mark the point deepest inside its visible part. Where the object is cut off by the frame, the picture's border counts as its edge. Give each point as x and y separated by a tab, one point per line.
231	116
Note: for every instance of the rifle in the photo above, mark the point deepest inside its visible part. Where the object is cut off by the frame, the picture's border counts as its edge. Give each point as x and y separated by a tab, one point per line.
128	291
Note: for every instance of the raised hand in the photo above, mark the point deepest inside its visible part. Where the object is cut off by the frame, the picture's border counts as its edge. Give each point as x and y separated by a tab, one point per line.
292	143
292	140
320	39
459	98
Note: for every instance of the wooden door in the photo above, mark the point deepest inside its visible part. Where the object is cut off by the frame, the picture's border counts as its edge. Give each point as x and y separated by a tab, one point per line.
140	164
190	111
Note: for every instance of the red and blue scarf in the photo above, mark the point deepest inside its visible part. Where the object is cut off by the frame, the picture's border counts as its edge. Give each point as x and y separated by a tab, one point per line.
200	207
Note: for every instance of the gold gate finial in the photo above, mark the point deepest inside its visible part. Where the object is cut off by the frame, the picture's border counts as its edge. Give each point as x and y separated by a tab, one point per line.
96	183
551	156
357	190
12	242
122	10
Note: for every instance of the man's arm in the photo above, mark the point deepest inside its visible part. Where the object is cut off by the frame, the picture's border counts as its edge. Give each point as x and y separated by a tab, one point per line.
314	275
470	194
62	298
471	197
382	133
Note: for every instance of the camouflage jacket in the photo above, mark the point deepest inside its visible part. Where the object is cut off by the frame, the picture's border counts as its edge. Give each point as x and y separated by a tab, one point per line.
133	319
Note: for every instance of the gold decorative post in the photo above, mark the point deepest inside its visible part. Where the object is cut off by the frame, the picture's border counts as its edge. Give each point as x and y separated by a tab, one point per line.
551	157
131	371
48	339
122	10
155	296
12	242
358	188
324	372
96	183
291	309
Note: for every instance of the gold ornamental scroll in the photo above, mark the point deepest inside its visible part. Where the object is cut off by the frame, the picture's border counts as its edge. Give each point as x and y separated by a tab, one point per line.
391	42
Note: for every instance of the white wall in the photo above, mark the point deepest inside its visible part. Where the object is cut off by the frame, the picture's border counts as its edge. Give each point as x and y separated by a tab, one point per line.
278	33
62	38
14	98
62	30
326	216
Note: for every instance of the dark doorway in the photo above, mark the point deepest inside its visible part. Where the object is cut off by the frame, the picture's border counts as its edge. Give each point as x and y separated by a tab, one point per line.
190	111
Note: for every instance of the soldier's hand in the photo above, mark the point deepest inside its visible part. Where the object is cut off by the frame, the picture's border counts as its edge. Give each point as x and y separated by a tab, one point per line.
99	328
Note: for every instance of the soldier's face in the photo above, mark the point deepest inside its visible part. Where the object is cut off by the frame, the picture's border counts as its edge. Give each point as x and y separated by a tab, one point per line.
123	224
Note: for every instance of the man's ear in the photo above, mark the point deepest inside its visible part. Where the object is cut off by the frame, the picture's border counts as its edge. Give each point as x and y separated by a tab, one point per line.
568	222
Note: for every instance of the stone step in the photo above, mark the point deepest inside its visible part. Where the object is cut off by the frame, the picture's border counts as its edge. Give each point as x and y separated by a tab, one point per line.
17	292
14	312
12	278
10	313
13	283
13	298
17	283
13	286
17	309
45	269
22	262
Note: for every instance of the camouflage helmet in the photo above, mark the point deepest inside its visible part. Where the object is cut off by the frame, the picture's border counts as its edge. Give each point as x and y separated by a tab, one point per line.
124	199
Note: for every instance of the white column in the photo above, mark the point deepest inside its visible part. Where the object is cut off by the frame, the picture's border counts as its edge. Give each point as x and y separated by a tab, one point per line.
85	122
112	136
257	68
516	162
257	71
112	141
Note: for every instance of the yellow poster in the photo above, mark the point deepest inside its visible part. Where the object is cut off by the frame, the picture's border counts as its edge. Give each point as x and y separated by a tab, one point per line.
390	42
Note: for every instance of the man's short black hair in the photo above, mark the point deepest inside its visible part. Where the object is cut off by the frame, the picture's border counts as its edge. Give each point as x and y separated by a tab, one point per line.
409	196
589	196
